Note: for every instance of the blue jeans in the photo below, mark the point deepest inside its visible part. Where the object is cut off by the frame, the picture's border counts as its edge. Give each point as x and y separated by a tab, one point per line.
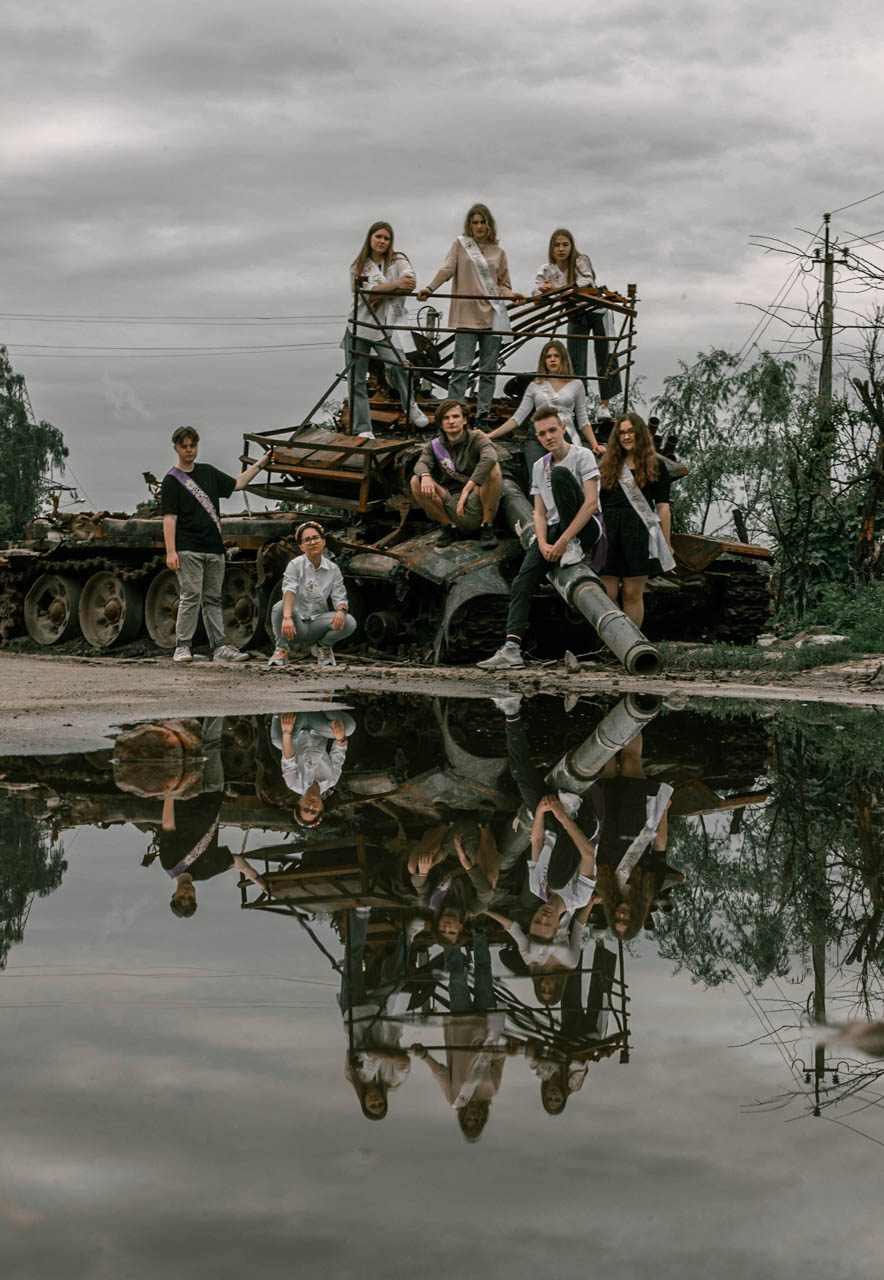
358	351
465	343
459	998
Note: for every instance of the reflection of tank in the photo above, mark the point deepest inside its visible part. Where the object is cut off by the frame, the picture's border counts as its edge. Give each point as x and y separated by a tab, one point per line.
104	575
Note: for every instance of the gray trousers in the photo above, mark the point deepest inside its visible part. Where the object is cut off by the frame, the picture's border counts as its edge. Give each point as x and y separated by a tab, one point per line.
465	343
200	579
317	630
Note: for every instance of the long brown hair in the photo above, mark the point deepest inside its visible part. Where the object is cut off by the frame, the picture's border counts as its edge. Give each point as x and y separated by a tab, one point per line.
489	218
357	266
567	370
638	895
647	468
571	269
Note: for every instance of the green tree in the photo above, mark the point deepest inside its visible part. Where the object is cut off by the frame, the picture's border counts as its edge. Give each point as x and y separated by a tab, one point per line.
30	864
26	450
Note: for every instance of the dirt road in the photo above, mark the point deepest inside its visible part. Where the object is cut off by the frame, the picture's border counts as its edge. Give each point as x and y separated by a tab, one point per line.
54	703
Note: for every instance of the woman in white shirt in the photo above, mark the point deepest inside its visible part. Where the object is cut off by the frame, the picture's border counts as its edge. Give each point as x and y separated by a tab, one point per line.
386	275
555	387
566	266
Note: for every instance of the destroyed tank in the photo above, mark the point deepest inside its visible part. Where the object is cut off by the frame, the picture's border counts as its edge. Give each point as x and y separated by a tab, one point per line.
103	575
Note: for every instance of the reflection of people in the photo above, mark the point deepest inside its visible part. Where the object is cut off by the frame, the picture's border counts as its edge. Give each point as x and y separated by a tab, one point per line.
457	479
190	495
311	581
568	267
474	1049
555	387
188	838
314	747
632	842
385	275
635	493
376	1062
564	484
478	268
454	869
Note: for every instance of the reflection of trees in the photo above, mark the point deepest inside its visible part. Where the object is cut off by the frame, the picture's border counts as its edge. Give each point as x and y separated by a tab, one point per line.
804	871
31	864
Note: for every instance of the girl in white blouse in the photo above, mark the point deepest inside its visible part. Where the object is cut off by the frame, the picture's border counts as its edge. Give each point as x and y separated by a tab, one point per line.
566	266
556	386
386	275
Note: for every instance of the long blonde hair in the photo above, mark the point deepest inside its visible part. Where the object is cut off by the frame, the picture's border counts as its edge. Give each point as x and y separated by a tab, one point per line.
489	218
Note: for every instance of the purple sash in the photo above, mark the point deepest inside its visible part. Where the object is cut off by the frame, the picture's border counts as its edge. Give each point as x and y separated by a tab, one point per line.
187	480
600	550
446	462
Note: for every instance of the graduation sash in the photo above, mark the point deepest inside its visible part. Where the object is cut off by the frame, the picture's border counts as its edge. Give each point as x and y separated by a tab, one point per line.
657	545
501	322
184	478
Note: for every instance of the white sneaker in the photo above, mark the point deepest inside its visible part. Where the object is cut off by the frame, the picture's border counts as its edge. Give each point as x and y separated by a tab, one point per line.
324	656
182	654
227	653
605	414
508	657
418	418
572	554
278	658
510	704
365	435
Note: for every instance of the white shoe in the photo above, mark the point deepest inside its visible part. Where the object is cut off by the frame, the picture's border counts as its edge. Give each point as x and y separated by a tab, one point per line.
572	554
278	658
418	418
508	657
366	435
227	653
182	654
324	656
509	704
605	414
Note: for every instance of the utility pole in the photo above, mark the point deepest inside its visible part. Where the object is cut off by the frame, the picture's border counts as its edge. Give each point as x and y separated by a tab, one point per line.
828	320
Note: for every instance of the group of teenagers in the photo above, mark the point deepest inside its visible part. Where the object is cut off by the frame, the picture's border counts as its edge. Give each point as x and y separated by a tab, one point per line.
614	512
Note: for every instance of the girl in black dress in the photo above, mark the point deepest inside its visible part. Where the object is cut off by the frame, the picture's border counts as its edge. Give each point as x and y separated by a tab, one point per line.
635	552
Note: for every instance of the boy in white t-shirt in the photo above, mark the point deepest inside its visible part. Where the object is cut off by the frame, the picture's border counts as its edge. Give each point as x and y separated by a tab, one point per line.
565	487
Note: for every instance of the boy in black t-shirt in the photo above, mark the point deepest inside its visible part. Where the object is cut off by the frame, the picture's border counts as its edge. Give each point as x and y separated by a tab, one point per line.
190	496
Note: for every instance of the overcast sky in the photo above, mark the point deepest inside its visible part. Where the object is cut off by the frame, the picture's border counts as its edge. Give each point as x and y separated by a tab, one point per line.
224	160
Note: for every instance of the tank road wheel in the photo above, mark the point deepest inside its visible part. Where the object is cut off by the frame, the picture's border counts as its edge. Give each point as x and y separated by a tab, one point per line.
239	606
161	609
111	610
51	608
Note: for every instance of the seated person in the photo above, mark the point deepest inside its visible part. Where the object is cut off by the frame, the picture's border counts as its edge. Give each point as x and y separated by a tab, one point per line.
311	765
457	479
565	486
302	616
454	870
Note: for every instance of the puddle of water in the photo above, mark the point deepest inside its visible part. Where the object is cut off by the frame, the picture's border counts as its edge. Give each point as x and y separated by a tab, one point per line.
340	1059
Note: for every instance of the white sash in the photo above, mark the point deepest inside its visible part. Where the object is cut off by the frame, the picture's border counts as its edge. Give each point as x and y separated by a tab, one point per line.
655	807
657	545
501	321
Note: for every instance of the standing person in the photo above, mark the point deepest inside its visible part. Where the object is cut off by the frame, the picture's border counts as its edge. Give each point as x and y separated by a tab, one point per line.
309	583
477	266
190	496
457	479
565	487
555	387
568	267
637	518
386	275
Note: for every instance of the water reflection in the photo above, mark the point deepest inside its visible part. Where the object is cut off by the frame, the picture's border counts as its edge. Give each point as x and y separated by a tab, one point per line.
480	880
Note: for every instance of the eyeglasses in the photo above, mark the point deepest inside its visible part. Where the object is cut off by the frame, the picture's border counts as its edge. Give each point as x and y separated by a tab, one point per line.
313	539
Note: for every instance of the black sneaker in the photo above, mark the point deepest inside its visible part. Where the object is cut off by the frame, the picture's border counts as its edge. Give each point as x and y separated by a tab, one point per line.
487	536
447	536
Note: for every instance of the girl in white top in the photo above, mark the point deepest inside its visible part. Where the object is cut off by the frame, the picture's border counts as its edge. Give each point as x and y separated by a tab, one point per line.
557	387
566	266
386	275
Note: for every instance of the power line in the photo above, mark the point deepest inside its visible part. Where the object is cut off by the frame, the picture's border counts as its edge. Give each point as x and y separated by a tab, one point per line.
854	203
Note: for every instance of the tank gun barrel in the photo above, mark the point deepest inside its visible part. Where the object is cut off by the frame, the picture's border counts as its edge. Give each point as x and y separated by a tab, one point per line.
579	768
583	590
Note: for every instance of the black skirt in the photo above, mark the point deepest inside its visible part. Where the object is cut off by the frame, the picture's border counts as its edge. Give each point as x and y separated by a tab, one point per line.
628	555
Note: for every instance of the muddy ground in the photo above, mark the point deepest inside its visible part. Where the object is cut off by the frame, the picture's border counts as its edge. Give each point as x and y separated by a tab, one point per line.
66	703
